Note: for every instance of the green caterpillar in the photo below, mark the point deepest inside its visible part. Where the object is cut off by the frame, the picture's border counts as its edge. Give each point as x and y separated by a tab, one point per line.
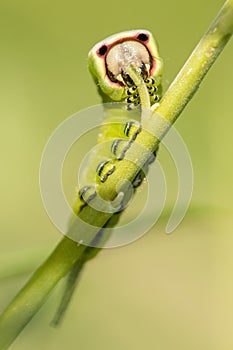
126	68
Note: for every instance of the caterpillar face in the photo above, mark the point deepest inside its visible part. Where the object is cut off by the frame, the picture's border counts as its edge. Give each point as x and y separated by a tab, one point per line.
109	59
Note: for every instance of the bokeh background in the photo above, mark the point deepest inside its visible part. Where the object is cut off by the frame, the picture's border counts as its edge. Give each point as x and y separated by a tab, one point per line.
163	291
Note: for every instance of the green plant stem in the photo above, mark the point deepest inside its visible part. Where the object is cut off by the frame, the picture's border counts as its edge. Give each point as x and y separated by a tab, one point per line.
189	78
35	292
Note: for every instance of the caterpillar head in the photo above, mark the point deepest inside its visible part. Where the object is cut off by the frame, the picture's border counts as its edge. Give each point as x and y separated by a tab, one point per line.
109	59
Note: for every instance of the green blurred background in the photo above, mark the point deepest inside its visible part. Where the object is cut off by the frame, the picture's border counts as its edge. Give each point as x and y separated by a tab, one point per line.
163	291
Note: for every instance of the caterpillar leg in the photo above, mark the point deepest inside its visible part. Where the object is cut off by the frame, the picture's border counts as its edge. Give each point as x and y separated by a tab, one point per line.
154	106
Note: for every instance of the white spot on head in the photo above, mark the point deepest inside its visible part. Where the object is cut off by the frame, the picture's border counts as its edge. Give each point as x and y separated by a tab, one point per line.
126	54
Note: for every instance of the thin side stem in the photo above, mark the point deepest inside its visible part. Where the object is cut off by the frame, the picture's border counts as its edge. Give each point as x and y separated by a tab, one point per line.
142	89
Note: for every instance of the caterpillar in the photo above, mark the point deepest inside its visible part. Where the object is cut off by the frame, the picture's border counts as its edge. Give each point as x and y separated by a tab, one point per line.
126	68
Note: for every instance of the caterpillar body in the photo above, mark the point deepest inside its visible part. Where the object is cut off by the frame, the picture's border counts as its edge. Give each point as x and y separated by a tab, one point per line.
126	68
